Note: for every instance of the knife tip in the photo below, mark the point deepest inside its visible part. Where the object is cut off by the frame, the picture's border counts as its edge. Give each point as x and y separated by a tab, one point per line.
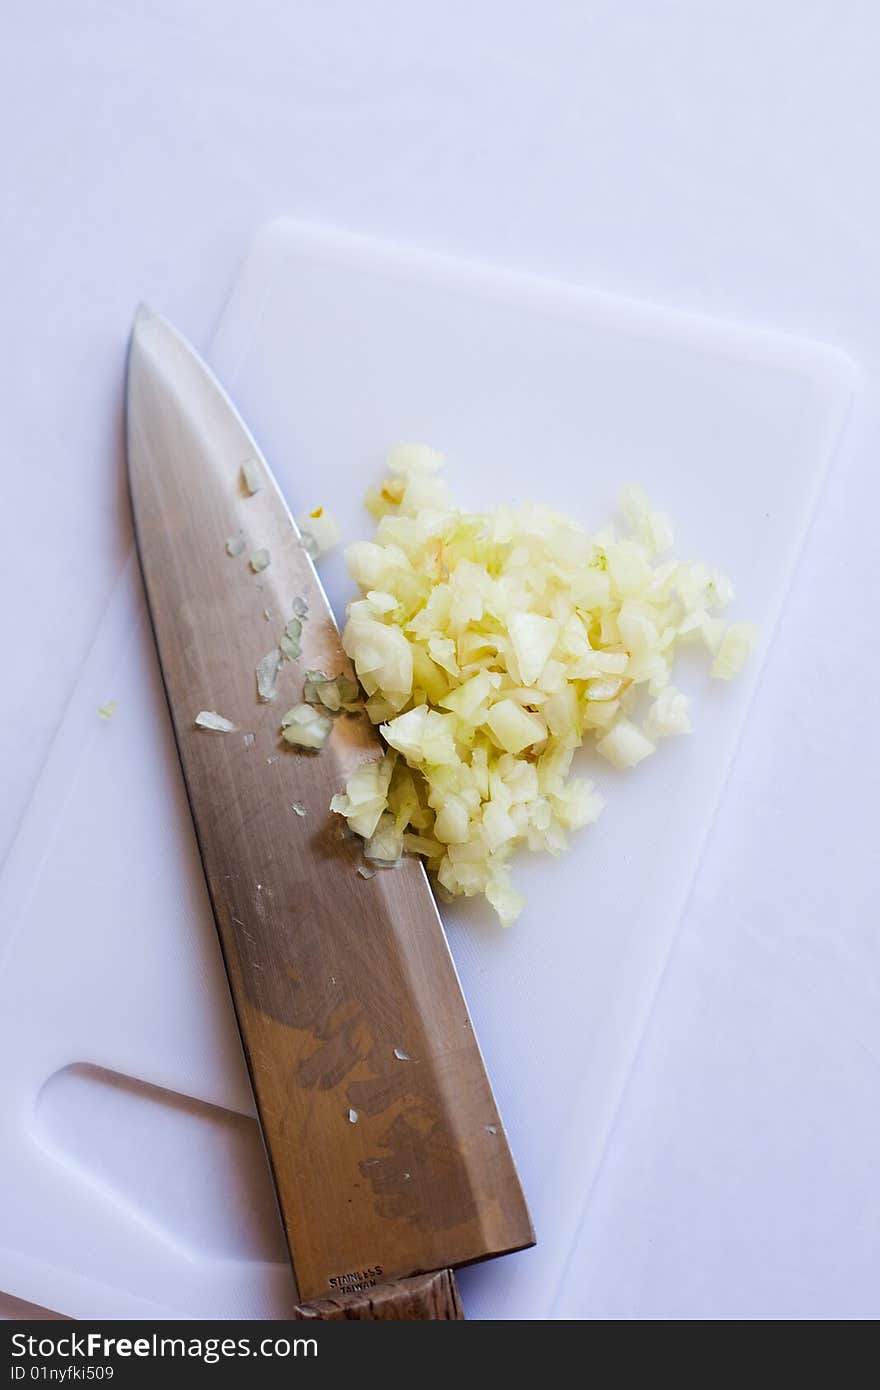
142	314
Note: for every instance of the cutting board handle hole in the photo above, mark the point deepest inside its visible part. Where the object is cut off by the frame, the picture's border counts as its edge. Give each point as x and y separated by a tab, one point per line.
206	1188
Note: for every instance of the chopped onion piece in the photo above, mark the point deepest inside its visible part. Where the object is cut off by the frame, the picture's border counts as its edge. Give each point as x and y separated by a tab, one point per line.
533	639
290	644
451	826
268	668
306	727
625	745
467	698
259	560
668	714
333	692
384	848
383	658
319	532
235	545
365	796
514	728
406	459
311	681
735	648
381	603
508	903
423	736
329	695
603	688
251	476
210	719
653	529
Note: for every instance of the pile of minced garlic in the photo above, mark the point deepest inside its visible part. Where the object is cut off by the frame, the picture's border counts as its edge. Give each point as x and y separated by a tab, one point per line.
490	646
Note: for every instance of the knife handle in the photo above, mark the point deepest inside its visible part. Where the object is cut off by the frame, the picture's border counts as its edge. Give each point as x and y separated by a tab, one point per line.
424	1297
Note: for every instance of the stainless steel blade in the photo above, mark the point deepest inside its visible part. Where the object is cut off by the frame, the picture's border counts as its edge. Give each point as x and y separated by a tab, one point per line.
385	1144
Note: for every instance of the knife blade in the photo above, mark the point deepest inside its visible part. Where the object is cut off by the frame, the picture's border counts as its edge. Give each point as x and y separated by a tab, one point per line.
384	1140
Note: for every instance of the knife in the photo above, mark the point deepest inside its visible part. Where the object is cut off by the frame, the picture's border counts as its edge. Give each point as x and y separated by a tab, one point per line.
384	1141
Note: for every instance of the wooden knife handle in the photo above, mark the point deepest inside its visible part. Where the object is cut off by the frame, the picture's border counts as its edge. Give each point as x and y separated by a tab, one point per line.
425	1297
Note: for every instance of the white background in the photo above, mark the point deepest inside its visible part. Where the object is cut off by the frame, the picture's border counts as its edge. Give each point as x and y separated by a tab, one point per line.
716	157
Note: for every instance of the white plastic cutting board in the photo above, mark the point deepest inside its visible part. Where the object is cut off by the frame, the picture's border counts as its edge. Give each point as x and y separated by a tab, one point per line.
131	1175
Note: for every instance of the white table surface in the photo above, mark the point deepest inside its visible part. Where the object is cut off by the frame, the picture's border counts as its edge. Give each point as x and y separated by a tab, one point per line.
720	158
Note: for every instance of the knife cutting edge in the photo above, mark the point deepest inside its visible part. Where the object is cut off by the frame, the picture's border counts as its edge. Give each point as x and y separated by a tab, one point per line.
387	1152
